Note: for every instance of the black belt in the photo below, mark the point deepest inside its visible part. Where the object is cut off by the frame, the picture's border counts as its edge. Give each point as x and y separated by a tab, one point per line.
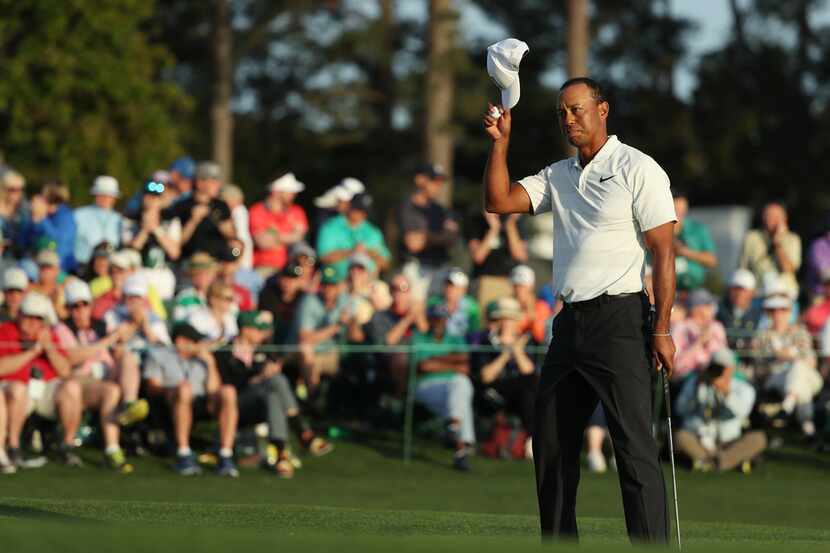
602	300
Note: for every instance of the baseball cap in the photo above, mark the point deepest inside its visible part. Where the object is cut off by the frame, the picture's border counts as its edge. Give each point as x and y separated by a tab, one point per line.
353	185
743	278
342	194
778	302
286	183
701	296
503	59
437	311
135	285
302	248
121	260
38	305
724	357
15	279
229	254
504	308
457	277
105	185
522	274
208	170
261	320
186	330
330	276
361	202
153	187
362	260
48	258
327	200
201	260
77	290
431	170
185	166
292	270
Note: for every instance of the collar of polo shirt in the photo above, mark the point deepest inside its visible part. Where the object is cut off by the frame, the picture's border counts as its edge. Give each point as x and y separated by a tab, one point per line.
605	151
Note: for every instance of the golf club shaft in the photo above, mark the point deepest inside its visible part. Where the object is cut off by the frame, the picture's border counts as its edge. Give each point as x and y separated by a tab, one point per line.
671	455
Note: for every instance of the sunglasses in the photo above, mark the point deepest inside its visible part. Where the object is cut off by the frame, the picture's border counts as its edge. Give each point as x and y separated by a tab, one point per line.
78	304
401	288
226	298
14	190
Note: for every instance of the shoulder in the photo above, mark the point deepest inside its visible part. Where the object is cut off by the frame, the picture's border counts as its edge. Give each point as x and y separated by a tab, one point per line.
9	330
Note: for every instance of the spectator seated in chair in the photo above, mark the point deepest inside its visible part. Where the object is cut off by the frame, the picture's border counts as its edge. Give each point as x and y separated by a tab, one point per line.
713	405
444	385
187	378
264	393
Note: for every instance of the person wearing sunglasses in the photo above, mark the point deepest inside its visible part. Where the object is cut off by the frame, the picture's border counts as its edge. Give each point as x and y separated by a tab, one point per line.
217	320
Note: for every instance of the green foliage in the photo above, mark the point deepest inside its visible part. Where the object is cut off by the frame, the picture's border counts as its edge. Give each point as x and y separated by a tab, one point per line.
81	92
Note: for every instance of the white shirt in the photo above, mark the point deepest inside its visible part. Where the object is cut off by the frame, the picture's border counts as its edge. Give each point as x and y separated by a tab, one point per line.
599	214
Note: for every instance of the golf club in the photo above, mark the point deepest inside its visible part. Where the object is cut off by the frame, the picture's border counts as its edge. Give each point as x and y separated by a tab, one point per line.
671	453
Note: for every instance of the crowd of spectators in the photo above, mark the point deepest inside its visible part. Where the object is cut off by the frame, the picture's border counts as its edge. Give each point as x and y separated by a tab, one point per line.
189	303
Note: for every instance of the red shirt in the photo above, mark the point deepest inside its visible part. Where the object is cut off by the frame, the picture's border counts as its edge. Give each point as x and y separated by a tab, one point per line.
817	316
243	298
104	303
10	344
261	219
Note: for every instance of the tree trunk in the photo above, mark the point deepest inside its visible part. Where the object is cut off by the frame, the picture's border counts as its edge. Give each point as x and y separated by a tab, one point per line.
220	111
440	90
578	42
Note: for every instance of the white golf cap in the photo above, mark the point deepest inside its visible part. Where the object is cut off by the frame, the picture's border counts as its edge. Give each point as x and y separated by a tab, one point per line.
327	200
522	274
105	185
76	290
503	59
134	257
774	285
287	183
15	279
135	285
457	277
38	305
121	259
778	302
743	278
353	185
342	194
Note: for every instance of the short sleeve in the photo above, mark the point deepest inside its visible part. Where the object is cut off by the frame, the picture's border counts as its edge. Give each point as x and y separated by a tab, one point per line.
153	368
538	190
309	313
706	242
326	240
653	202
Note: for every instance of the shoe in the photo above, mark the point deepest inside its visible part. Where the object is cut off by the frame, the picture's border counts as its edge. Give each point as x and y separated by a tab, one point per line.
6	465
701	465
461	460
227	467
67	456
318	447
132	412
284	468
20	462
117	461
186	465
596	462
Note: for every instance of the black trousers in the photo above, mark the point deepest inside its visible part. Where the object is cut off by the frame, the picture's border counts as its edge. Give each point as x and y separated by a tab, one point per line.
599	352
519	394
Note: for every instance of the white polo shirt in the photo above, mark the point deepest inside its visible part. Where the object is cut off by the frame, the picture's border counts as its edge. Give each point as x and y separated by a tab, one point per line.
599	214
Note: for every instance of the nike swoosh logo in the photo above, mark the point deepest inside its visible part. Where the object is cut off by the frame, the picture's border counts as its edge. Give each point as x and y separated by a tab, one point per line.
601	180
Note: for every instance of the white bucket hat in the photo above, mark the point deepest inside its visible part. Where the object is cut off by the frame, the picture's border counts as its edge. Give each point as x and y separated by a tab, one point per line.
287	183
503	59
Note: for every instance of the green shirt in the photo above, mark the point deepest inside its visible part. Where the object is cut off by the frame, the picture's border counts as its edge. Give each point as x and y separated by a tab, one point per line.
337	234
695	235
426	346
463	321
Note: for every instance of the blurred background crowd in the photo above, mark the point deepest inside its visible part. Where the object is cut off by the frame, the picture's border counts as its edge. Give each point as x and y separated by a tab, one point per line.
158	293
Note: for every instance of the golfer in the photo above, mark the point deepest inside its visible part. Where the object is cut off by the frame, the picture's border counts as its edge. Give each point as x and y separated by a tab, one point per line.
610	204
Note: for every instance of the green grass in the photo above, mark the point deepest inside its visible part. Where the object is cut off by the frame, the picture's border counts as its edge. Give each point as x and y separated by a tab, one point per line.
363	498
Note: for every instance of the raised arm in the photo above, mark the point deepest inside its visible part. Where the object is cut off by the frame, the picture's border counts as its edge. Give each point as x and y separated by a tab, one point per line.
500	194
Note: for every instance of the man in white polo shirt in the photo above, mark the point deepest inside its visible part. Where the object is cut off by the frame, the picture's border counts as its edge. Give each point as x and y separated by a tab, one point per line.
610	204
